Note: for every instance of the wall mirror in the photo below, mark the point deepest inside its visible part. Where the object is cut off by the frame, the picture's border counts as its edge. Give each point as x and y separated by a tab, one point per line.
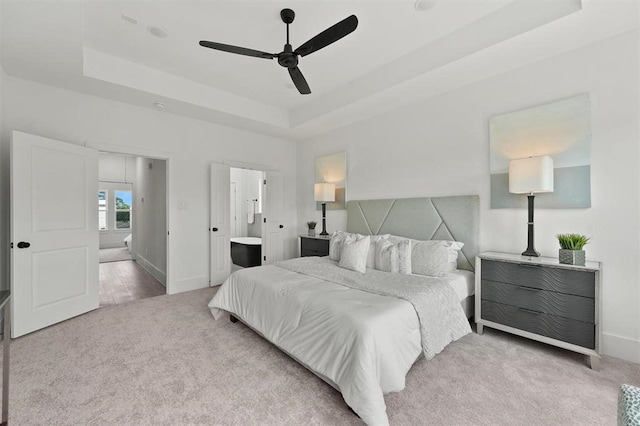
333	169
560	129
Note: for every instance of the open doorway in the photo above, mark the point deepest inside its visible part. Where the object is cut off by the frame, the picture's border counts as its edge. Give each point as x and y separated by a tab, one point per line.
132	221
245	216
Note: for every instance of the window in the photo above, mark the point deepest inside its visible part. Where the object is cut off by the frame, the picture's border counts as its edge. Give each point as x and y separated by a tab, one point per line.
102	210
123	209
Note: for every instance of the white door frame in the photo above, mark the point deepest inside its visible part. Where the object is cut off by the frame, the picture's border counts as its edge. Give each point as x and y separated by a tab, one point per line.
233	202
156	155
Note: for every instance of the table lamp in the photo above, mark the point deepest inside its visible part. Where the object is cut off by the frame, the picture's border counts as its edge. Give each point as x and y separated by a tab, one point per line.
324	192
531	176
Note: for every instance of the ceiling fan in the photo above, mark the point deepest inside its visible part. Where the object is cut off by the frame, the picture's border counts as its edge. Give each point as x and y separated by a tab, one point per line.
288	58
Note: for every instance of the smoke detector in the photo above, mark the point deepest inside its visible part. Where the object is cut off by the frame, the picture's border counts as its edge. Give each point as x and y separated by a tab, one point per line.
424	5
157	31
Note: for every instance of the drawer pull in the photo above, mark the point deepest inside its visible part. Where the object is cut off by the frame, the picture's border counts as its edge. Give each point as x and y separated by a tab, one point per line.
528	265
530	311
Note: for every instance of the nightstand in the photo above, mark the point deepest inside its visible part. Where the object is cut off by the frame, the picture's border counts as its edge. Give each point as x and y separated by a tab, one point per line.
314	246
541	299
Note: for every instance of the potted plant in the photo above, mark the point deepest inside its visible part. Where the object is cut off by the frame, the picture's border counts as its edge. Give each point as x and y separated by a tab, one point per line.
312	228
571	248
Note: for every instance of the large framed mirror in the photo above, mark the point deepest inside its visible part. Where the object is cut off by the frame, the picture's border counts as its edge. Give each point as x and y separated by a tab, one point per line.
560	129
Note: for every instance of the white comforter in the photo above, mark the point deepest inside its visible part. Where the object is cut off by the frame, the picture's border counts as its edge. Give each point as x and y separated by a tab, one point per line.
362	341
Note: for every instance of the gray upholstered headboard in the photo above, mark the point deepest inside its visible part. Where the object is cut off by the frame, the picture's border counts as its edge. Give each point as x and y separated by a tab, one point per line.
436	218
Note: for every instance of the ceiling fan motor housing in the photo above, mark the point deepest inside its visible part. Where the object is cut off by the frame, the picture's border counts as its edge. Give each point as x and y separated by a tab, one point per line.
287	58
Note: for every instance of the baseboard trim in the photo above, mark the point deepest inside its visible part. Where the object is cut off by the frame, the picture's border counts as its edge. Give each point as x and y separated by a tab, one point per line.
189	284
621	347
118	244
152	269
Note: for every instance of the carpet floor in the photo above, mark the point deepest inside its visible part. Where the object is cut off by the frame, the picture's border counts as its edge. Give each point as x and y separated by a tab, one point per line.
164	360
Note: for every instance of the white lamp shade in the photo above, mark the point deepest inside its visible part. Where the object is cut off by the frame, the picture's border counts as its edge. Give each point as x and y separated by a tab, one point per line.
531	175
324	192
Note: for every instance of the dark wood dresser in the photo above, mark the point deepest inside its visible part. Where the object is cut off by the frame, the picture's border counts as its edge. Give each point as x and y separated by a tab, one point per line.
541	299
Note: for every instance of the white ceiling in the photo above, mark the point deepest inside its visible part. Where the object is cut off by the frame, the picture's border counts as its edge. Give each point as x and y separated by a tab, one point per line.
396	56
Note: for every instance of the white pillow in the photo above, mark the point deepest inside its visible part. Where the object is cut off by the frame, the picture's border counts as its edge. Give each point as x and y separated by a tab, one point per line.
353	254
453	248
404	253
334	245
386	254
404	256
434	258
371	258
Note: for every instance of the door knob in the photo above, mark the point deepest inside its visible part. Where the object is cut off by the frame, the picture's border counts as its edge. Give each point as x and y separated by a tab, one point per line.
281	226
214	229
24	244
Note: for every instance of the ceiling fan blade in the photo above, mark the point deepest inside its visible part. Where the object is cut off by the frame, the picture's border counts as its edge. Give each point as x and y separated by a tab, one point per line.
328	36
299	81
236	49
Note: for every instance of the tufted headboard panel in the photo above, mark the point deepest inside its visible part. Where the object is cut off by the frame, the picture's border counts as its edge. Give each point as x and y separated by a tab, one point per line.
436	218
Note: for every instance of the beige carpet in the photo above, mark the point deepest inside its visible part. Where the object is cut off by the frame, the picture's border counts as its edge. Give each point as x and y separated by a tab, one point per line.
164	360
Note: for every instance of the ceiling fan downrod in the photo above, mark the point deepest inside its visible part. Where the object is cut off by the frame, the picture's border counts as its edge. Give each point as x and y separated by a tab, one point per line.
287	58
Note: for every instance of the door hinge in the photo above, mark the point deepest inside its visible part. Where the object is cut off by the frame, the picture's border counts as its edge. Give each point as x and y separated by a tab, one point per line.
264	257
12	244
264	182
265	220
167	232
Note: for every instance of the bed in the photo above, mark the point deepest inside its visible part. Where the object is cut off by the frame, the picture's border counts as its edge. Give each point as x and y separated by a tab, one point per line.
361	333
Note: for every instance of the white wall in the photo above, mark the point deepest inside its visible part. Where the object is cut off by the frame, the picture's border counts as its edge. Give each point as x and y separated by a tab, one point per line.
4	184
247	188
116	168
190	145
150	204
4	189
441	147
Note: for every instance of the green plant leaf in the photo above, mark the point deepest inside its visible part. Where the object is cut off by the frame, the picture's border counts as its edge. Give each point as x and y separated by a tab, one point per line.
572	241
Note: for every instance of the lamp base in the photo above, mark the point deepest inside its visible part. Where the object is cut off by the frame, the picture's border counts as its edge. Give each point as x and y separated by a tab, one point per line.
324	220
531	253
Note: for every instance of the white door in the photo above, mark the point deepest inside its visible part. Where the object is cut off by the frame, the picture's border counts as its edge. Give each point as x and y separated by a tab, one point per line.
273	226
220	247
54	231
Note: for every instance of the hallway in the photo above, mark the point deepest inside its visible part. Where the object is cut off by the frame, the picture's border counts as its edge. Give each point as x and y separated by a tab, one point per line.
124	281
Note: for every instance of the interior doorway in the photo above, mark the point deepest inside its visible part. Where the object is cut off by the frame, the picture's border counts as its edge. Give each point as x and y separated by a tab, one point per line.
269	224
132	222
245	217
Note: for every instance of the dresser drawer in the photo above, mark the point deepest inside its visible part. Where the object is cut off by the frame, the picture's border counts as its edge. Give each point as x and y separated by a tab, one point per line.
550	302
314	247
568	330
579	283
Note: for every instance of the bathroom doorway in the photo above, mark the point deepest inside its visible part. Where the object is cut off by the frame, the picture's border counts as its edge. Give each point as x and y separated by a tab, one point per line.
246	217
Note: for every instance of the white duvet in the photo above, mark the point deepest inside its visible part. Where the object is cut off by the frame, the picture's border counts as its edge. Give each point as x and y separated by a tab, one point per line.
362	341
